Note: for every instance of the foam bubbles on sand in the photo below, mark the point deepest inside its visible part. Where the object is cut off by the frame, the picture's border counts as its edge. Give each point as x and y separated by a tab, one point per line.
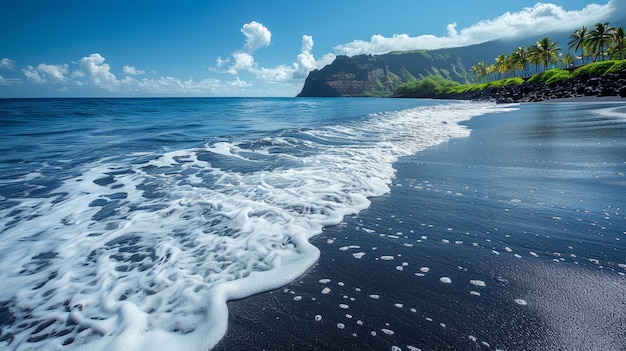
349	247
387	331
358	255
478	282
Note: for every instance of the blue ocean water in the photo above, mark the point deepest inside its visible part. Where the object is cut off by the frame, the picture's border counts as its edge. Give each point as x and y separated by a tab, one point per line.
129	223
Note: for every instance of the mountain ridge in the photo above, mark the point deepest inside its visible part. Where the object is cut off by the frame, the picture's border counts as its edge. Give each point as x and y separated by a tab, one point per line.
380	75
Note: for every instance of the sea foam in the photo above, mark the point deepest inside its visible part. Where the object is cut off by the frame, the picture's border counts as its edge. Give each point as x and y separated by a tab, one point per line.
143	251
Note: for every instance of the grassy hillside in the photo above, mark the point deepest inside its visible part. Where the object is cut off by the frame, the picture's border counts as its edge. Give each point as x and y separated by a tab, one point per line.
431	86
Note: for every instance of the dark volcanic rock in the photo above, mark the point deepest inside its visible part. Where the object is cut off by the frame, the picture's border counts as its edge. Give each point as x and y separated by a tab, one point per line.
606	85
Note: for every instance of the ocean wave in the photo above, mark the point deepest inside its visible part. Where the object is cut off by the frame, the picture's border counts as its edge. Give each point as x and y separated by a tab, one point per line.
143	252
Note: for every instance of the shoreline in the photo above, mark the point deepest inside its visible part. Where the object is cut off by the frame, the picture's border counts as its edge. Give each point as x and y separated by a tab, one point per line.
443	260
585	99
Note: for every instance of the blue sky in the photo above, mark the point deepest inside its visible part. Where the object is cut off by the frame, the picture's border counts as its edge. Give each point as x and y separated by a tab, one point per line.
78	48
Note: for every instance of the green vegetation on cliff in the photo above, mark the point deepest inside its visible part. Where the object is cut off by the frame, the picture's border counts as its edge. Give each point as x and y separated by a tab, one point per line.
434	85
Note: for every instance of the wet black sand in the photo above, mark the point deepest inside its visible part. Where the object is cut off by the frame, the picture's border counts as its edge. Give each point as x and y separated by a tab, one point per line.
511	239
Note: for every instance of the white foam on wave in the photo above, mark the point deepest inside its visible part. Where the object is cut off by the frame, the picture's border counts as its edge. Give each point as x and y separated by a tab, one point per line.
143	253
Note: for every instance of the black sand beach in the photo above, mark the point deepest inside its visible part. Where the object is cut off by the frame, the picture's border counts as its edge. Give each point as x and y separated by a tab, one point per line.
511	239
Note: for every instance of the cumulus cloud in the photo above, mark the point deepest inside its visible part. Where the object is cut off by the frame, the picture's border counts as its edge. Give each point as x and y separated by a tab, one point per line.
32	75
132	71
45	73
55	72
531	21
98	72
305	61
451	28
243	62
93	71
257	36
7	63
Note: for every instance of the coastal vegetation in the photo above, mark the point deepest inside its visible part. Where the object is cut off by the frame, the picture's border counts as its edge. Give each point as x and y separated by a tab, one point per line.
437	86
601	43
589	51
597	51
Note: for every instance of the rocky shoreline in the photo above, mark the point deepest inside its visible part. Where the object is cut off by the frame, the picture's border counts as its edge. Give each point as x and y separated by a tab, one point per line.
581	86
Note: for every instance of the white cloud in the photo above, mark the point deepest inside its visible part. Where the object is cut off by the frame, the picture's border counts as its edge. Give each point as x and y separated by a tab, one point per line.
45	73
78	74
55	72
92	70
306	61
451	28
176	86
531	21
243	62
7	63
280	73
257	36
221	62
98	72
9	81
32	75
132	71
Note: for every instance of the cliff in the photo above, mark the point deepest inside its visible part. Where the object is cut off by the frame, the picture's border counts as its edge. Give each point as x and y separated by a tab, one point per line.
380	75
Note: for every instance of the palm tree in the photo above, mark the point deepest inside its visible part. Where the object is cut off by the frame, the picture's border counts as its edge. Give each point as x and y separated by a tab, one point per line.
577	41
618	41
599	38
547	50
568	60
500	65
480	70
490	70
518	60
534	57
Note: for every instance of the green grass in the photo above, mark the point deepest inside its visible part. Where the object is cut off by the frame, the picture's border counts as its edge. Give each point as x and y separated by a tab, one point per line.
550	77
594	69
481	86
617	67
436	84
433	84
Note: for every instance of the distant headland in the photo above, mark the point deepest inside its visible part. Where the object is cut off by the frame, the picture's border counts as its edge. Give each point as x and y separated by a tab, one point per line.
535	73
